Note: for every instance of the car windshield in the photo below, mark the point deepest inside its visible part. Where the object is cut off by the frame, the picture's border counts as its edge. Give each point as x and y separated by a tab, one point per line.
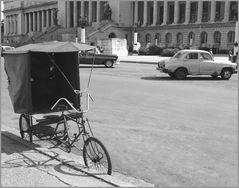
178	55
206	56
94	51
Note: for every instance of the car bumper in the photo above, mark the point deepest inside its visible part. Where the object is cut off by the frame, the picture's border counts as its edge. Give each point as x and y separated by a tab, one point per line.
163	70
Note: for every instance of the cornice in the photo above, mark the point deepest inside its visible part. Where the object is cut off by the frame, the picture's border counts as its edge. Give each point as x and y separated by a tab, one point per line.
30	7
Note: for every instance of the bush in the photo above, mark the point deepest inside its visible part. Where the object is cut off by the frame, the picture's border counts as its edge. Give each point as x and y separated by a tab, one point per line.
169	52
151	50
143	50
223	51
154	50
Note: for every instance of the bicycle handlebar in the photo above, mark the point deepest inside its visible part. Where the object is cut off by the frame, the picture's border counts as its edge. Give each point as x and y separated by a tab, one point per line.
68	102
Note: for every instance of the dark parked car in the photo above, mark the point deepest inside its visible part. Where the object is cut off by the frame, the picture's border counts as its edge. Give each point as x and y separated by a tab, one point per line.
99	58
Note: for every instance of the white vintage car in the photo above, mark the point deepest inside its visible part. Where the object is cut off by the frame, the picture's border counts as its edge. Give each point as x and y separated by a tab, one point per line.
195	62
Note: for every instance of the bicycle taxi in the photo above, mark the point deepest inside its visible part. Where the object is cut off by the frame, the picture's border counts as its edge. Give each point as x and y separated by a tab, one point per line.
44	87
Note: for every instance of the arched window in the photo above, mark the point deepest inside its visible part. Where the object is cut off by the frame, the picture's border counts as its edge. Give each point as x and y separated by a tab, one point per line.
157	39
179	39
203	39
112	35
147	38
230	37
168	39
217	39
191	38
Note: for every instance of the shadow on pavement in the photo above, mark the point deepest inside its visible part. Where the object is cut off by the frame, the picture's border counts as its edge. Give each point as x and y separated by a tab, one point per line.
197	78
10	144
94	66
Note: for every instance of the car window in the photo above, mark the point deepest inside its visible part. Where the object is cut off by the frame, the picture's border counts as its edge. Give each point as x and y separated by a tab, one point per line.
206	56
192	56
178	55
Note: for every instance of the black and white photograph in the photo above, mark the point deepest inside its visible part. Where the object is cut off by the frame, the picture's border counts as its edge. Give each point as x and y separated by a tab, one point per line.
119	93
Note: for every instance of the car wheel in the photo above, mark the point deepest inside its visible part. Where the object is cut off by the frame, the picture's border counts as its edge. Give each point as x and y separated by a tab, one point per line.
226	74
180	73
109	64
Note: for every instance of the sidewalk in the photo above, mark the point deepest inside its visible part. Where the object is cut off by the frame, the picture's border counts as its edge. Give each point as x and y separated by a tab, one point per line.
26	164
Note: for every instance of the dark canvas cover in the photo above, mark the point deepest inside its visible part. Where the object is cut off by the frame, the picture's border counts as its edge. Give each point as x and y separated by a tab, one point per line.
33	86
18	69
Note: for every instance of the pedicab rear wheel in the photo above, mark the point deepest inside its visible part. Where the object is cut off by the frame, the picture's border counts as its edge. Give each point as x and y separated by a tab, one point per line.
25	129
96	156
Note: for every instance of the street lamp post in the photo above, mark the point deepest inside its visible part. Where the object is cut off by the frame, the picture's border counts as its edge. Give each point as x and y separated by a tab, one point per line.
82	23
135	37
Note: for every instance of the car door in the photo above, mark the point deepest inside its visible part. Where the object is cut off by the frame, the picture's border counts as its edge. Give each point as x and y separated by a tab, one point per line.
207	65
191	61
86	57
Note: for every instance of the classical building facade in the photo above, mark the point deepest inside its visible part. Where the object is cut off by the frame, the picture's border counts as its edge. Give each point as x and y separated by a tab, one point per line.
195	23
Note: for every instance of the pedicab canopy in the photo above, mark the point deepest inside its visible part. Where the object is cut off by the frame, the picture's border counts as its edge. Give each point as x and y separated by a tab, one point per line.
39	74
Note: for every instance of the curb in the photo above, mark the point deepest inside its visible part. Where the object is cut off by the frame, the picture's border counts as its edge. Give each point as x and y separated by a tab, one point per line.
119	181
139	62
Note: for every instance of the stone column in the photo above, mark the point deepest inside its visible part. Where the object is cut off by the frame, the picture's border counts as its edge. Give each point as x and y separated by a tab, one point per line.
47	18
213	11
16	24
155	13
187	15
5	25
98	12
226	11
25	23
42	19
165	12
199	16
13	24
34	22
38	21
136	6
176	12
145	13
68	14
82	8
10	24
90	12
30	21
75	13
52	21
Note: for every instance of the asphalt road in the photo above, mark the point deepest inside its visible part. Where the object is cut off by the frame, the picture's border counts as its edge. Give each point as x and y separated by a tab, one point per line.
167	132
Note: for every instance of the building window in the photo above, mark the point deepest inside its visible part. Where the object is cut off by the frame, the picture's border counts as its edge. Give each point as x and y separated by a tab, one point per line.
217	40
147	38
203	39
157	39
233	11
182	7
217	37
191	38
160	14
170	12
168	39
193	12
206	11
112	35
179	39
219	10
230	37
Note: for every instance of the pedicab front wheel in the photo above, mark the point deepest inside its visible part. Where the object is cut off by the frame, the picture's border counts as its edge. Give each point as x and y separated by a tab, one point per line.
96	156
24	126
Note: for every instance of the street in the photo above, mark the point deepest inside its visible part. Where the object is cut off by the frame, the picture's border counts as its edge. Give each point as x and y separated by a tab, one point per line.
164	131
